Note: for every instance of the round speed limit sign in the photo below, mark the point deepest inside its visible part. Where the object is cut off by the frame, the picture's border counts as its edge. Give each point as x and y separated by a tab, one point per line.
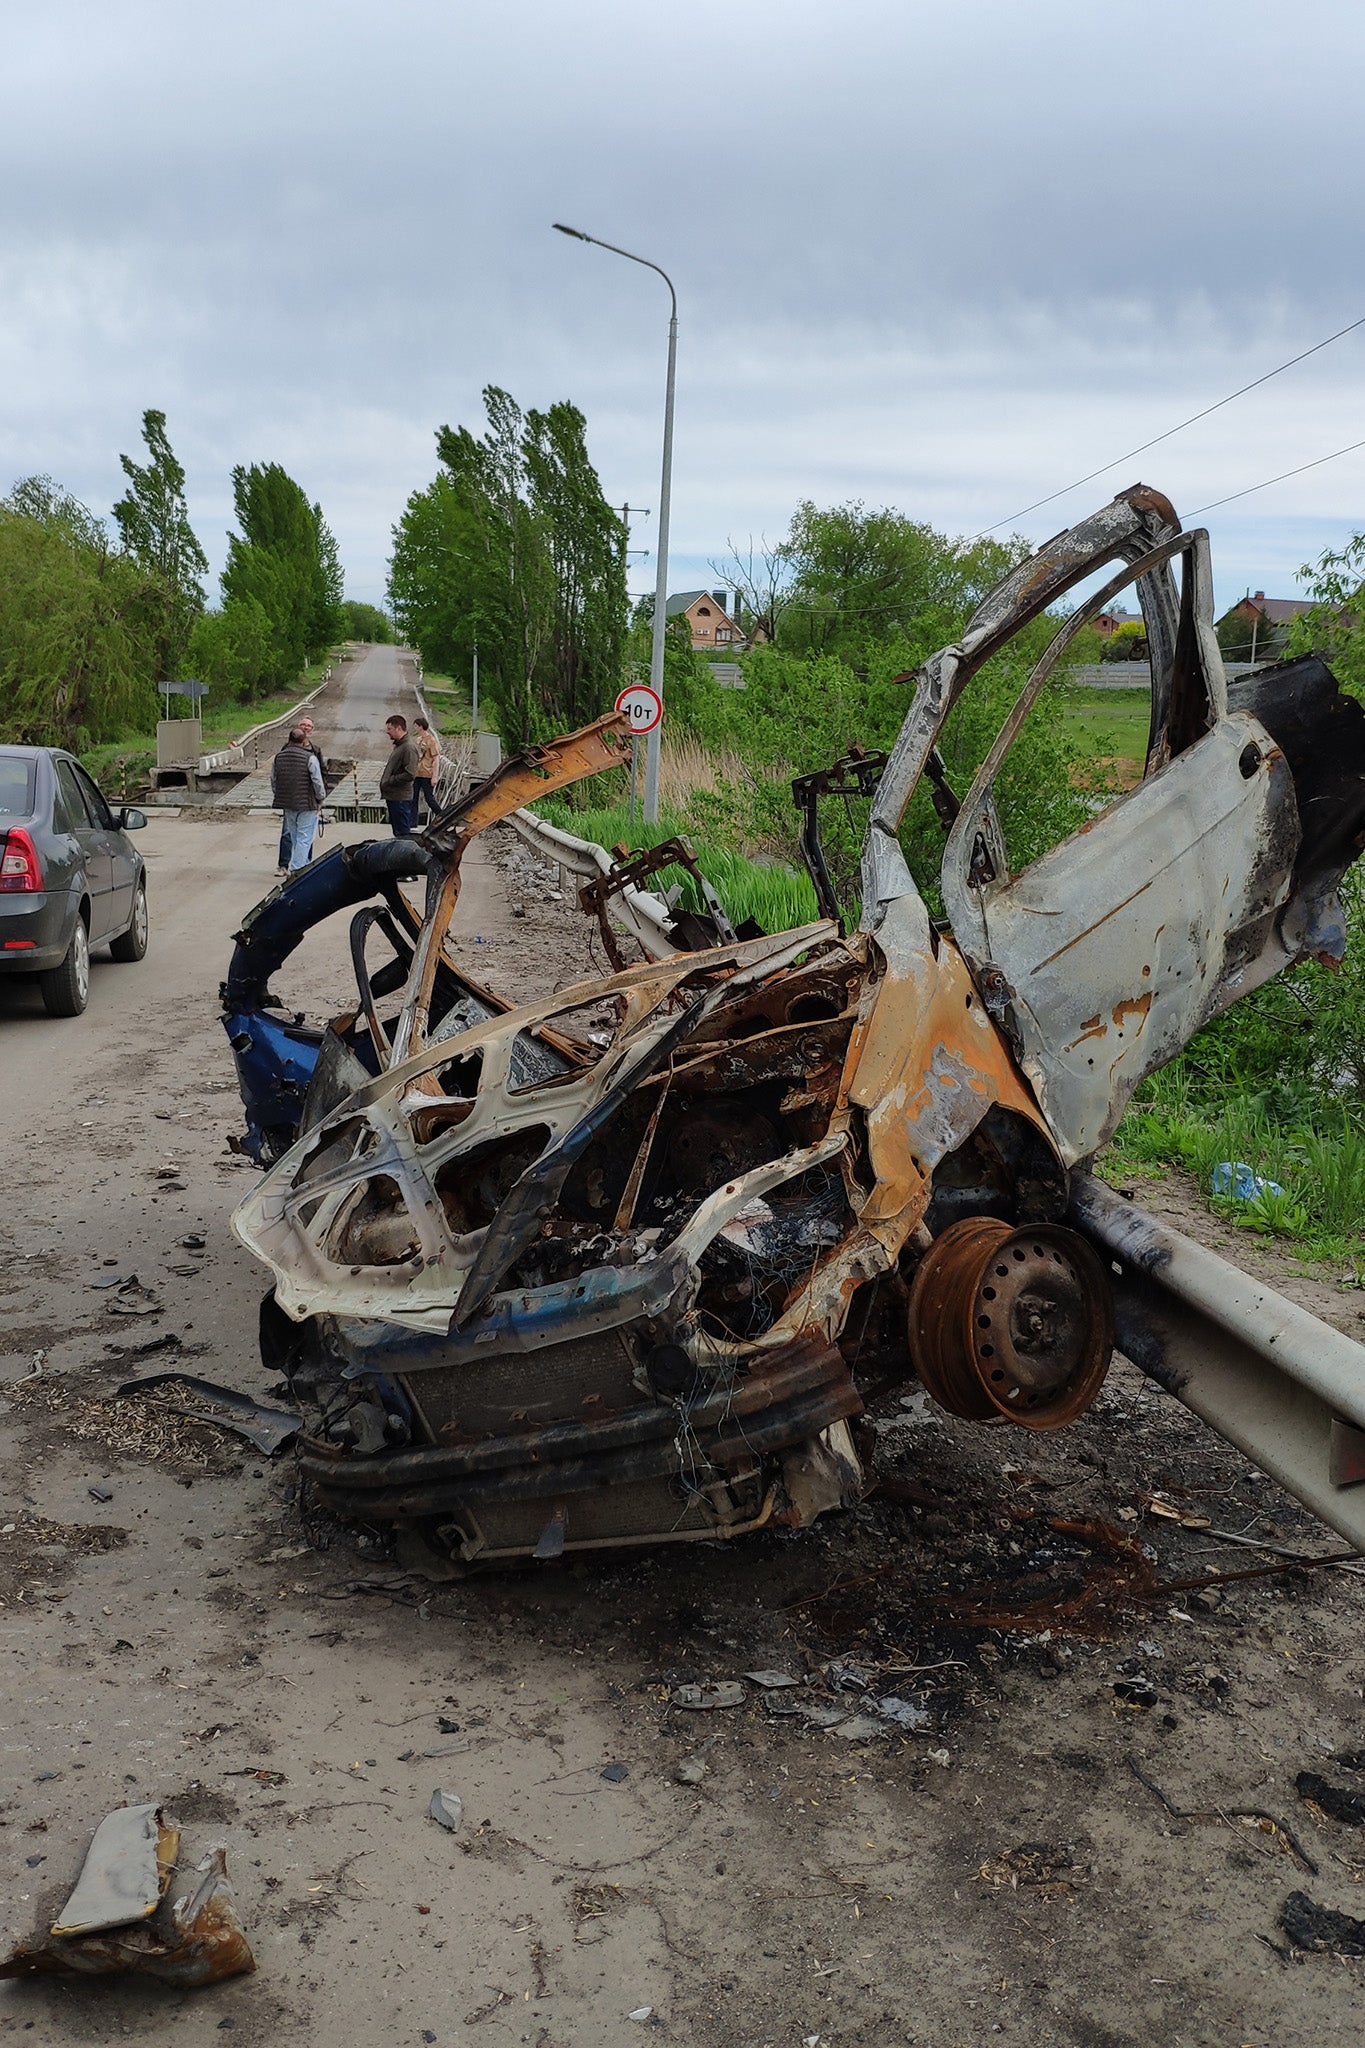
642	706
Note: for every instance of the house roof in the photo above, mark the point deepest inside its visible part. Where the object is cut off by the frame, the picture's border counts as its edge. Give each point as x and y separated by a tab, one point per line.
683	601
1280	611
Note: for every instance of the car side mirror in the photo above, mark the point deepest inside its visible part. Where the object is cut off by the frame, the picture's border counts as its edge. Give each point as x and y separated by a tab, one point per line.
130	820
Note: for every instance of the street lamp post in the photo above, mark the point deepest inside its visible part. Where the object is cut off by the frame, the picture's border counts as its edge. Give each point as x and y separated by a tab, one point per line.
656	655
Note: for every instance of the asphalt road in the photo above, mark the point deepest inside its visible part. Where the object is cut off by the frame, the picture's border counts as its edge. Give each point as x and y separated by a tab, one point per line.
349	714
201	878
192	1564
175	1628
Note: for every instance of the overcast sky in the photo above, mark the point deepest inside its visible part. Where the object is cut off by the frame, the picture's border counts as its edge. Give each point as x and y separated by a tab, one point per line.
945	258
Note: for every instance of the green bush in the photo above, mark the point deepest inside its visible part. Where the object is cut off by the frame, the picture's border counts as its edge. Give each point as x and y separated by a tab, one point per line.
798	713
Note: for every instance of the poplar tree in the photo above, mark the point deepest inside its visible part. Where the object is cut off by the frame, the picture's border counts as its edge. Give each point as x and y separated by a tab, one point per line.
285	561
154	520
514	548
154	524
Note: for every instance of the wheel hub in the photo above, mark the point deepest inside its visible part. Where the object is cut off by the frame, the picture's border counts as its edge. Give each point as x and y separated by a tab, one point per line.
1011	1322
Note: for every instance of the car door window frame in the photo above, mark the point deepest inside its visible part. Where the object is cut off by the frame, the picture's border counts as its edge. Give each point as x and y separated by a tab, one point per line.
976	857
70	813
101	817
97	838
124	866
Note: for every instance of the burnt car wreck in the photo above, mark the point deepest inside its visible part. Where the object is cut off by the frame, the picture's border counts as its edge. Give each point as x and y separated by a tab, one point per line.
624	1265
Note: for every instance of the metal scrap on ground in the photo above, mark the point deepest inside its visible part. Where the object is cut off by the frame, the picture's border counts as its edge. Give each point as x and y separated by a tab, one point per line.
268	1430
120	1918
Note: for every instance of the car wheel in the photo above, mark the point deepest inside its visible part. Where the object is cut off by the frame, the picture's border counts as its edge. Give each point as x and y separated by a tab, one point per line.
132	944
66	989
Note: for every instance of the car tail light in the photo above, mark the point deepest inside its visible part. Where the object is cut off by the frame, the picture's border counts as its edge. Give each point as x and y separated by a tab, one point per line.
20	869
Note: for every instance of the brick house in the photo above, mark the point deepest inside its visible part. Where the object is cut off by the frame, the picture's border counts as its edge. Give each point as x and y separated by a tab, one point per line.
1271	611
1108	623
712	626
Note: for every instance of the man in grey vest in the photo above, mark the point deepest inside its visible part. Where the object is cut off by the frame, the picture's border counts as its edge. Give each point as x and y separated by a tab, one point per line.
306	728
297	790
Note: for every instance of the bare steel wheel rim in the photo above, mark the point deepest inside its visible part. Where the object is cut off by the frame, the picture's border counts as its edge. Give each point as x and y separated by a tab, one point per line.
1018	1323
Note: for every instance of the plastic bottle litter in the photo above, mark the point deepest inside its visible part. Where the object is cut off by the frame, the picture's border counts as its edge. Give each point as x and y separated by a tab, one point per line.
1234	1177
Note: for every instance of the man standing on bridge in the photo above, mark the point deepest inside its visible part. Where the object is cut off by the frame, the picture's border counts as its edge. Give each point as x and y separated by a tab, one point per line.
297	789
306	728
395	784
423	782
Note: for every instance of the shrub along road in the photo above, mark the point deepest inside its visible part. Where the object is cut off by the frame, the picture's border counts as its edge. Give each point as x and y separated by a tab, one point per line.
175	1627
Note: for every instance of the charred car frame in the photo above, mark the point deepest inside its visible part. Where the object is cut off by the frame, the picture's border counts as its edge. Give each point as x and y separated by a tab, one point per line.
624	1265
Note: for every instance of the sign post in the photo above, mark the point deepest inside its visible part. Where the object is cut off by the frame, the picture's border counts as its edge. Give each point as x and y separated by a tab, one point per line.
644	708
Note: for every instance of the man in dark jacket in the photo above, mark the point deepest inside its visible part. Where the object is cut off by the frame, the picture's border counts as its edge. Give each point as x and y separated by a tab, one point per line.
297	790
395	784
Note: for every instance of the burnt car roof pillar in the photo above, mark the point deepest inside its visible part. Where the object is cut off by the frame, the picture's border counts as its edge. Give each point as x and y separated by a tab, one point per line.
1129	528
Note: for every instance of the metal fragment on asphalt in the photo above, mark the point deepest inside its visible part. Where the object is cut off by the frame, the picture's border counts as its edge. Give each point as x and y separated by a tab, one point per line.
447	1810
728	1692
267	1429
859	1728
127	1868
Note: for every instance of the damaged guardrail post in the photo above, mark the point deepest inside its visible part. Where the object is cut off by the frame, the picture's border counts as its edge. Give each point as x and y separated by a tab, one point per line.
1285	1387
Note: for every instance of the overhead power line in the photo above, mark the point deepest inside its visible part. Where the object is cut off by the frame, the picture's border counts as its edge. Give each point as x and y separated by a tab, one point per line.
1143	446
1317	464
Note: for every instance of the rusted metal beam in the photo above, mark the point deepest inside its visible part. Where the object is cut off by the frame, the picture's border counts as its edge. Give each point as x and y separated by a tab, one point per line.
534	773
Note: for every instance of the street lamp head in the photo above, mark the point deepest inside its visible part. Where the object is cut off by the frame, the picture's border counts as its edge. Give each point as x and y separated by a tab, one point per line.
577	233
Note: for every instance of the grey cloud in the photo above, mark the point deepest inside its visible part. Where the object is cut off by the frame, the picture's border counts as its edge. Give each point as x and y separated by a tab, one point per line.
946	257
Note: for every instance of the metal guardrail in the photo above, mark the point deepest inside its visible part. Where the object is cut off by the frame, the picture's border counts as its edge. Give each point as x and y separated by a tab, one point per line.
1275	1380
645	916
232	756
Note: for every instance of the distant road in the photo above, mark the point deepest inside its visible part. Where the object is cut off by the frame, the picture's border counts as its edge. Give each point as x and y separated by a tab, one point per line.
350	710
349	714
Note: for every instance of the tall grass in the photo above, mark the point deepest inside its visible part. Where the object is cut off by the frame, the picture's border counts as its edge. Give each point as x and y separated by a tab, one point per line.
1316	1156
775	896
687	765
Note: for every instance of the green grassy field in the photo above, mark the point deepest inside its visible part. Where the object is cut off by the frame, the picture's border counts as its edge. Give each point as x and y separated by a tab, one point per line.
449	701
123	767
1109	723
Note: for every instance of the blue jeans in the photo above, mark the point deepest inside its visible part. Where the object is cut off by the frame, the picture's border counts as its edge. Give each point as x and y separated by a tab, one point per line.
300	826
285	844
422	794
402	816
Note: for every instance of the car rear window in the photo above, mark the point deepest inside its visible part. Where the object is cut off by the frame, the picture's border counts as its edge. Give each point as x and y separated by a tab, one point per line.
16	788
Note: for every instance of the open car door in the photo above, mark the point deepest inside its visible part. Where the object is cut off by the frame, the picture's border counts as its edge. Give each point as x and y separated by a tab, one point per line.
1105	954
